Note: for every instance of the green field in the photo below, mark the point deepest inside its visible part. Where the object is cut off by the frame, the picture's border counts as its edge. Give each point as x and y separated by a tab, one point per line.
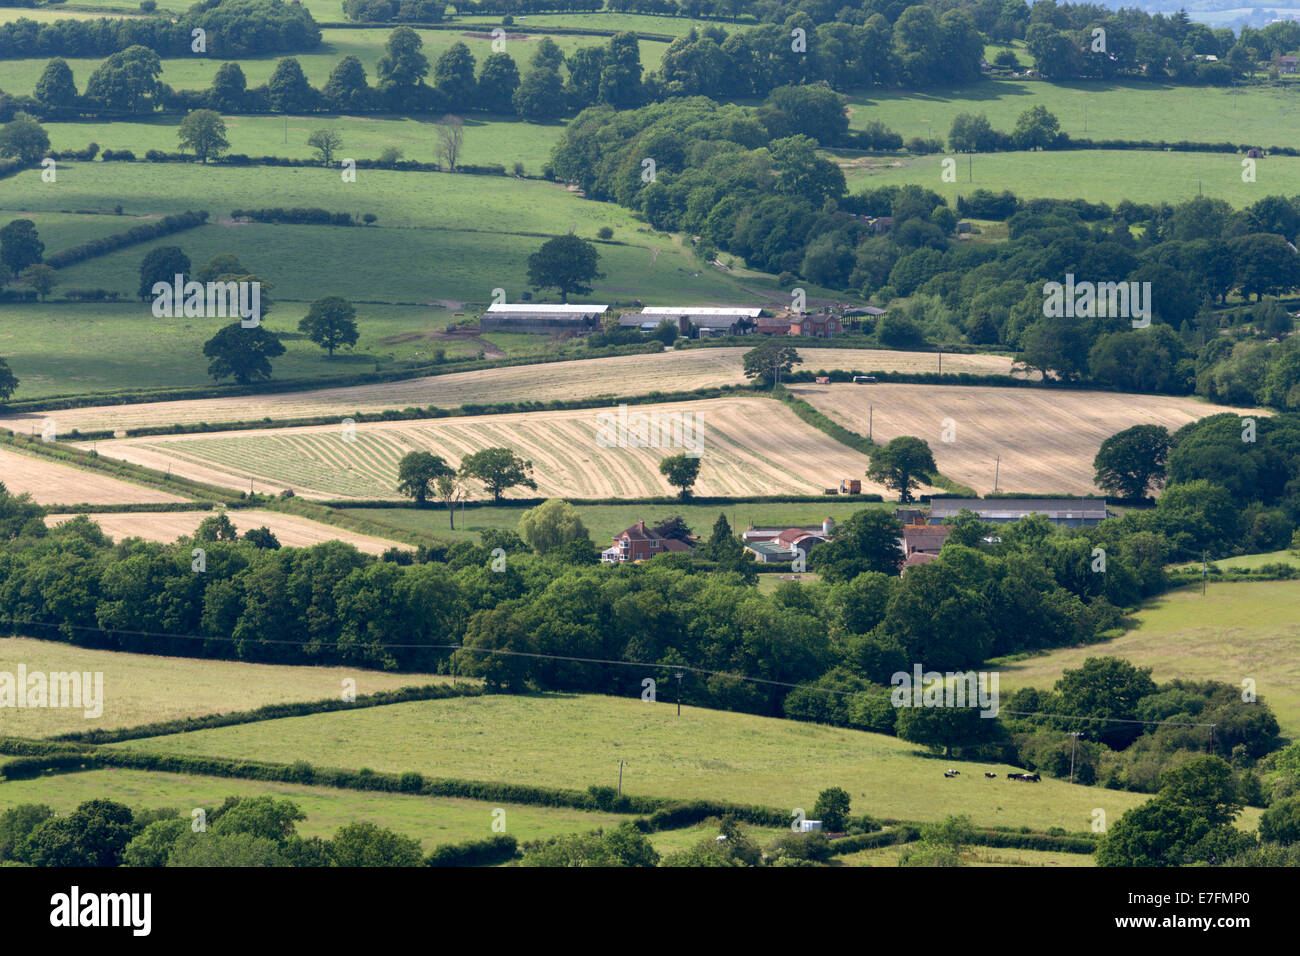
432	821
367	45
142	689
573	741
488	140
1239	630
972	856
604	521
1123	109
1095	175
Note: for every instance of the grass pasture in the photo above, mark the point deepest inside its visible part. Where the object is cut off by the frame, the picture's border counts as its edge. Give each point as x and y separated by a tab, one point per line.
619	376
1118	109
144	689
1046	438
574	741
291	530
748	446
1096	175
51	482
980	856
1239	630
432	821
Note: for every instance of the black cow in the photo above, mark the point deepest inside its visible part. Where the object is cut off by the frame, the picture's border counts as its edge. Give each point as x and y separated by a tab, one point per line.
950	773
992	776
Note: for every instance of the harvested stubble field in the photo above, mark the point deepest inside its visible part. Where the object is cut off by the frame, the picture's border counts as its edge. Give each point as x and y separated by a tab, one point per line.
433	822
291	530
51	483
624	375
750	446
144	689
1046	439
568	740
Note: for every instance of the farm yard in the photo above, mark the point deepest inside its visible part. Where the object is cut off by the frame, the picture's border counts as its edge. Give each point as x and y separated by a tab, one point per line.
166	526
142	688
1046	439
750	446
618	376
52	483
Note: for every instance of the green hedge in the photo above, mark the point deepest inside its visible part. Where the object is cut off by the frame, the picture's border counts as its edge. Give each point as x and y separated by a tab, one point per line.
904	833
496	849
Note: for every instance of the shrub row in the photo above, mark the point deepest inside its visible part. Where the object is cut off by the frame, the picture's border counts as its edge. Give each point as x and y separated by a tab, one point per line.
807	413
300	215
403	165
904	833
1035	841
489	852
1181	146
92	295
80	155
117	156
273	712
146	232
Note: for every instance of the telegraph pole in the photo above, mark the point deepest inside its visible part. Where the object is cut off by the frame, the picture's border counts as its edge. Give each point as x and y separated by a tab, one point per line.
1075	735
621	765
997	466
679	692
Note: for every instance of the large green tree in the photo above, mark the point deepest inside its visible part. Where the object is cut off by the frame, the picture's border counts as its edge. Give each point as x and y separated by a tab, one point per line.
681	471
565	263
551	525
331	323
203	132
24	138
20	245
769	360
128	81
418	471
163	264
899	465
242	354
56	87
866	541
1132	461
500	469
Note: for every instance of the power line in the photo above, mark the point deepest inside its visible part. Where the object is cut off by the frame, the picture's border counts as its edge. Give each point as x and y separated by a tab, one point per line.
679	668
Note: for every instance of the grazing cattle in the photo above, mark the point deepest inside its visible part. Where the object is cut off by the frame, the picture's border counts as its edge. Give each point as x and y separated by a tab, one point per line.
1013	776
1031	777
991	776
950	773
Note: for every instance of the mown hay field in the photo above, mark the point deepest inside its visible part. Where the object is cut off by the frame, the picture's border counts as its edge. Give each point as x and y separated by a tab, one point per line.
290	530
431	821
50	483
623	376
144	688
563	740
1046	438
748	446
1239	630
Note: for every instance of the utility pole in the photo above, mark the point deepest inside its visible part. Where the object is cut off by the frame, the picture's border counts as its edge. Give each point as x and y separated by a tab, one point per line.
940	360
286	127
1075	735
1205	570
1211	740
871	414
970	167
621	765
1085	117
997	466
679	692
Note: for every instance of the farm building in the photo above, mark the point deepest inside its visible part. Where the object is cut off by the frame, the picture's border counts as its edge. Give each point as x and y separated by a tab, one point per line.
781	545
527	317
635	320
818	325
924	539
773	325
709	320
1067	512
639	544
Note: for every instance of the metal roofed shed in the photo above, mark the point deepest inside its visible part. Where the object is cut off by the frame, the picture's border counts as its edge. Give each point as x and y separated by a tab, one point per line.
1067	512
532	317
708	319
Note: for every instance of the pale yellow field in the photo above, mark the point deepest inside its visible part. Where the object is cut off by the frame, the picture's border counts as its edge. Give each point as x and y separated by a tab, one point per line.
749	446
622	376
291	530
50	482
1046	440
142	689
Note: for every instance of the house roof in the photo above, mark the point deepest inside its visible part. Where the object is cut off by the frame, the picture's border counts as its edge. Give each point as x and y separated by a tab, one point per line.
795	536
919	557
1018	507
527	308
636	533
704	310
925	538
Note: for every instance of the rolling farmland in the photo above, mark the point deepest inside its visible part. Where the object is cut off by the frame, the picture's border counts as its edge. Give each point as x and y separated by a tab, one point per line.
625	375
143	688
291	530
50	483
1046	439
751	446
